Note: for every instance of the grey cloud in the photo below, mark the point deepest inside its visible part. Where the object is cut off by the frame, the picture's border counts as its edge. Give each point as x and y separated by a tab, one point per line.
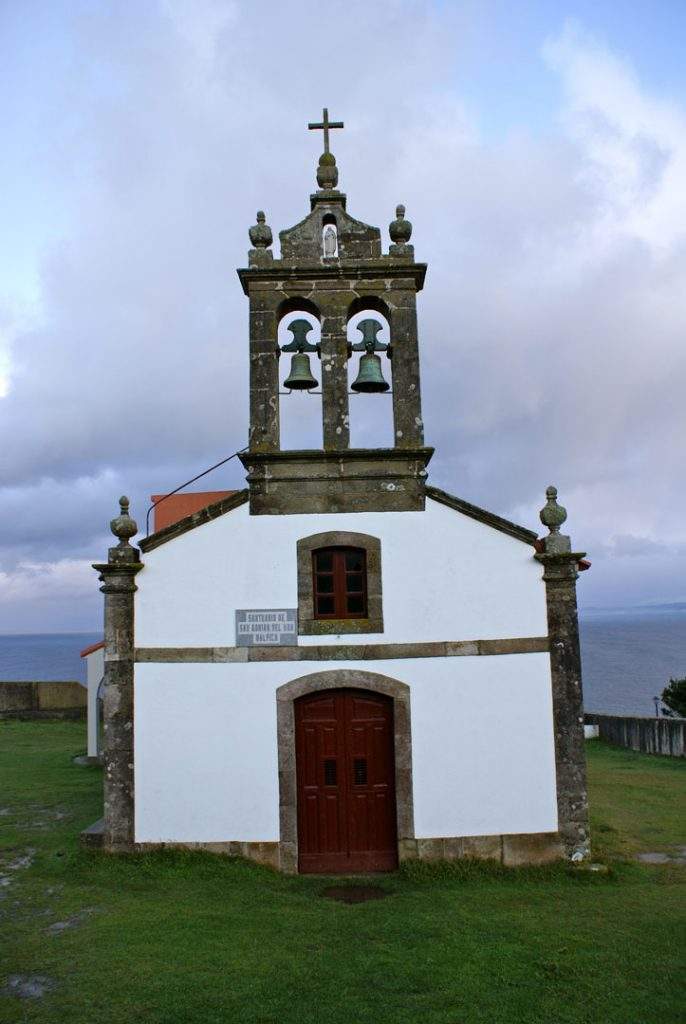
551	334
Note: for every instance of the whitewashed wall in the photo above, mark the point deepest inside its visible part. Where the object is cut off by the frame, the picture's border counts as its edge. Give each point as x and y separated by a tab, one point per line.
206	748
445	577
95	670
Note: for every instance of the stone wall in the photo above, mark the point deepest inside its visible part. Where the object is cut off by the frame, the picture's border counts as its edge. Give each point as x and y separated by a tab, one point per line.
58	699
650	735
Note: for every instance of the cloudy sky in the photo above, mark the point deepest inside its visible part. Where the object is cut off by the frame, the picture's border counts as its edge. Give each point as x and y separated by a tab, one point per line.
540	149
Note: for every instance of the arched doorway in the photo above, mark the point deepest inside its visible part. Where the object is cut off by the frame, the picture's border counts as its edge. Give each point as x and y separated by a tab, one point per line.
374	683
345	769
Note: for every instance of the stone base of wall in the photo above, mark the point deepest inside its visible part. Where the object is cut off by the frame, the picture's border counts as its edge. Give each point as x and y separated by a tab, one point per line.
266	854
86	761
93	836
511	850
261	853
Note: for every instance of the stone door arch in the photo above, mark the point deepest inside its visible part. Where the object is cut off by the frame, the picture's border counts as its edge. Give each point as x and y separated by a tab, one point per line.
334	680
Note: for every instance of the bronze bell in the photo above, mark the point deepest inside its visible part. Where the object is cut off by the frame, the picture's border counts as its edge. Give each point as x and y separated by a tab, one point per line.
300	377
370	378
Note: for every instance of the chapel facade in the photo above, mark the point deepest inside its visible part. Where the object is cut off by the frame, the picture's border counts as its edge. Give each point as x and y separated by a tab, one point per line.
342	667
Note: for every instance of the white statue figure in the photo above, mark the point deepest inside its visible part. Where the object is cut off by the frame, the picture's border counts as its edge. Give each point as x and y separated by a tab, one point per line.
330	241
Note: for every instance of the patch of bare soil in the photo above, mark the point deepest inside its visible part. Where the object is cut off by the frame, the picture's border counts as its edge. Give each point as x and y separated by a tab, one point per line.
71	922
7	868
28	986
354	893
663	858
40	817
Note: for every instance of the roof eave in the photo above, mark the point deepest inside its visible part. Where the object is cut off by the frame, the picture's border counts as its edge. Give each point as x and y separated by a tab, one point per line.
482	515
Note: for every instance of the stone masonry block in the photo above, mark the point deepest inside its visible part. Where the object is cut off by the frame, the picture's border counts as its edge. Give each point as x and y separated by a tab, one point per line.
482	847
536	848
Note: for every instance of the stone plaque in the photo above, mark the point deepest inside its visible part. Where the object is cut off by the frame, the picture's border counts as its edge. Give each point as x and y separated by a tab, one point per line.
271	626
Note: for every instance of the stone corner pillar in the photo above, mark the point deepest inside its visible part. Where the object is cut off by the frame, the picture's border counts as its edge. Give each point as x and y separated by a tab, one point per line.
118	579
408	426
560	571
264	371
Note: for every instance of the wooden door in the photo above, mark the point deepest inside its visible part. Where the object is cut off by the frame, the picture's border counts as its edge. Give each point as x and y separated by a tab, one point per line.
346	782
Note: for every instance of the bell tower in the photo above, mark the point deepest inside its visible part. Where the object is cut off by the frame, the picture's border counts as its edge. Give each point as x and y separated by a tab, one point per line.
332	268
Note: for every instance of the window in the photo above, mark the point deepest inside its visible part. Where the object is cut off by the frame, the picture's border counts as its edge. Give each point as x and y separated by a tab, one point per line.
339	583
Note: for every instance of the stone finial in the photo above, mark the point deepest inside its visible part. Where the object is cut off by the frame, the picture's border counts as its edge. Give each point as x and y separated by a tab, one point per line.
327	172
123	526
260	233
553	516
261	238
400	229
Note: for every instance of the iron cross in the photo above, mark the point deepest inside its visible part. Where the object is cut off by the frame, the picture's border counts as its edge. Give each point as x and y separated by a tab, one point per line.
326	124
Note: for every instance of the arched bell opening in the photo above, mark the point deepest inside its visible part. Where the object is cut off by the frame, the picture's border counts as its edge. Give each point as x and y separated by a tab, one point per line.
369	303
369	375
297	304
300	375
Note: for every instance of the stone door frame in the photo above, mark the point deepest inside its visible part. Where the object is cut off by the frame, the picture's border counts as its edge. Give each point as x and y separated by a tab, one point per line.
340	679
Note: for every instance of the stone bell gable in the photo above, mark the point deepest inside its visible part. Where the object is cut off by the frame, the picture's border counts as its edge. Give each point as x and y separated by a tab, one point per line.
332	268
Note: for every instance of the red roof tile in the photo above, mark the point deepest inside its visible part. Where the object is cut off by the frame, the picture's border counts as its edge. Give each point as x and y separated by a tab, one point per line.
178	506
93	647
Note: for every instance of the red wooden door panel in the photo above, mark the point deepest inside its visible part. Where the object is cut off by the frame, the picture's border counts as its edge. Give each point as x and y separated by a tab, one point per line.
346	782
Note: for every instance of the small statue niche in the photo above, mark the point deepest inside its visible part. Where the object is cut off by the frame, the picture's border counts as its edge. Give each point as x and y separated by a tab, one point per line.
329	238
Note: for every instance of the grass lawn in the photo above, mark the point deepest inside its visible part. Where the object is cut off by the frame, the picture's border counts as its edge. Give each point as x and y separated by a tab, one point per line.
181	938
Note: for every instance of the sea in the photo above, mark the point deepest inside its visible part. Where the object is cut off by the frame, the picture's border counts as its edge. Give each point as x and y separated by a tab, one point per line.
628	656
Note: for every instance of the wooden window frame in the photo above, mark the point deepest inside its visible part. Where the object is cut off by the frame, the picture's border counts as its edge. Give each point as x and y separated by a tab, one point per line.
308	623
340	592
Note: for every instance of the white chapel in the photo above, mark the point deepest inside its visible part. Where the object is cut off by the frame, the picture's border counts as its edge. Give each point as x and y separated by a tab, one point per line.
341	667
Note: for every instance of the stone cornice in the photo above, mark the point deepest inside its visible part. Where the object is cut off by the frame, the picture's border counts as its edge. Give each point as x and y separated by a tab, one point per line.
345	480
559	566
347	271
324	197
316	455
204	515
482	515
345	652
118	568
118	577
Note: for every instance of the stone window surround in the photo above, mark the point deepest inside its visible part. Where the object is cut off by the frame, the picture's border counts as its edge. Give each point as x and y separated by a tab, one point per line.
338	679
373	622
